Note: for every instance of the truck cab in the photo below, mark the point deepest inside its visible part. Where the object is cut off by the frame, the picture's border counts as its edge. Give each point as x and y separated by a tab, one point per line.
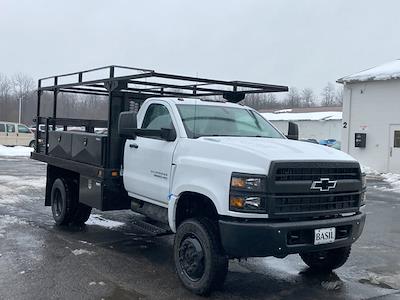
266	195
216	174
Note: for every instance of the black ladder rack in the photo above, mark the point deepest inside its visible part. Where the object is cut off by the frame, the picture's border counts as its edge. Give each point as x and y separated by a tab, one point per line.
149	83
123	85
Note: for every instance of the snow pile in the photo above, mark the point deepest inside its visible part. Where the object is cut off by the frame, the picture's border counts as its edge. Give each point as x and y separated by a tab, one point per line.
312	116
15	151
287	110
393	180
98	220
82	251
369	171
390	70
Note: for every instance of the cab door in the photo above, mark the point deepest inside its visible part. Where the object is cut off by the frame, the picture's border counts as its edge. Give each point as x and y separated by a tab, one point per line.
148	160
24	135
11	135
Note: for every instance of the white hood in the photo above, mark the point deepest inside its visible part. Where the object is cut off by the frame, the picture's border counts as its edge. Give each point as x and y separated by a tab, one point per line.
282	149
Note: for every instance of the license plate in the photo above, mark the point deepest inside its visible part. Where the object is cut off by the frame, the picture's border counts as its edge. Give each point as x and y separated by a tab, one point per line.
324	235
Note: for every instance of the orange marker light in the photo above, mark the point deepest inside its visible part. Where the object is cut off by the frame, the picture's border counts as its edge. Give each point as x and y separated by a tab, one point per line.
237	202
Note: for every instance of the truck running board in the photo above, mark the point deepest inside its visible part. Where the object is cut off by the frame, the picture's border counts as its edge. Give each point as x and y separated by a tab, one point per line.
151	229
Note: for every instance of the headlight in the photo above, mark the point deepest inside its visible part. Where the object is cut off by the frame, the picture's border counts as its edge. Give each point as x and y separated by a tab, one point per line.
248	182
363	195
247	193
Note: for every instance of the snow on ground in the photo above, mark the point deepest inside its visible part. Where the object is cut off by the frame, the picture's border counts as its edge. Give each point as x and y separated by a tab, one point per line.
368	170
15	151
7	220
98	220
391	178
11	220
82	251
16	189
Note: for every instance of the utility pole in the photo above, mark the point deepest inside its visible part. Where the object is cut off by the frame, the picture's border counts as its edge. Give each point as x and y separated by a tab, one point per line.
20	110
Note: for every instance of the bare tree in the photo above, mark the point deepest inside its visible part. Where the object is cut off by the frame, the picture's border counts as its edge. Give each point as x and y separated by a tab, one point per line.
5	90
22	85
339	96
307	97
262	101
5	87
293	98
328	95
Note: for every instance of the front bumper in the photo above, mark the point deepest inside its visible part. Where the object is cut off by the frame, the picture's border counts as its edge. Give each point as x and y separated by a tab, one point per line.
259	239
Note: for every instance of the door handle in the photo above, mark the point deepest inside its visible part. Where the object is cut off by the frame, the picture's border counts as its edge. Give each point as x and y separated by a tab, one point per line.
391	151
133	146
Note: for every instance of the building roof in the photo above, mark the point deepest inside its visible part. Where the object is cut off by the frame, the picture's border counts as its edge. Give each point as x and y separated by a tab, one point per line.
303	109
390	70
306	116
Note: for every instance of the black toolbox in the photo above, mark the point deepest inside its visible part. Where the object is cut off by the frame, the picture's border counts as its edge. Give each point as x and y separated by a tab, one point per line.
60	143
89	148
85	147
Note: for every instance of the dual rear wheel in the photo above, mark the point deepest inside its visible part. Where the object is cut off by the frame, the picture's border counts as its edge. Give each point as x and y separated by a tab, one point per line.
65	206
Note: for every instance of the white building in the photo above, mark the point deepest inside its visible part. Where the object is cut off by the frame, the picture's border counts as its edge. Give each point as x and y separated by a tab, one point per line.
314	123
371	111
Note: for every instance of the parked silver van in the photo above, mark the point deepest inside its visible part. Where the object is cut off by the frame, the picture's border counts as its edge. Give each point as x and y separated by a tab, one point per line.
14	134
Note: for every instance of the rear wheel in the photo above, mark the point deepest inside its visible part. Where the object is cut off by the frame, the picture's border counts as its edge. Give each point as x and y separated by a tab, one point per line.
32	144
62	204
327	260
199	261
82	214
65	203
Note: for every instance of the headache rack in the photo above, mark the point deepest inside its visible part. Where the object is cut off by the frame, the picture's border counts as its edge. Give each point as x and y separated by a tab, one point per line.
123	86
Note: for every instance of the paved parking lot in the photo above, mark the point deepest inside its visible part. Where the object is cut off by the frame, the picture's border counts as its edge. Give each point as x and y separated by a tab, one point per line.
111	259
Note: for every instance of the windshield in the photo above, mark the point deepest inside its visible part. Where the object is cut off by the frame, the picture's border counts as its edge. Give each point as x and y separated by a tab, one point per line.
210	120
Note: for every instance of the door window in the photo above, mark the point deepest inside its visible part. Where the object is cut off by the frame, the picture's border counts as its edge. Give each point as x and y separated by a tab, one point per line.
2	128
23	129
10	128
157	117
396	143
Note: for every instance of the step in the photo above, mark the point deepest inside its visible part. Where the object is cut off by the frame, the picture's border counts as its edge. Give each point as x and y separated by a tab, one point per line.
151	229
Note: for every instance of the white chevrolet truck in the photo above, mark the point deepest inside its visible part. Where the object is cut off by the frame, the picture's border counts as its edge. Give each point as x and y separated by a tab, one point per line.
216	174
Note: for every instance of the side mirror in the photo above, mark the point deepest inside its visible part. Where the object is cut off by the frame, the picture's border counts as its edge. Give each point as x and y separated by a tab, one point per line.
293	131
168	134
127	124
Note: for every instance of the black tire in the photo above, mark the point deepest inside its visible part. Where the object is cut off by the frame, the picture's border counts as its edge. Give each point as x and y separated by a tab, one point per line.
32	144
62	203
199	260
328	260
82	214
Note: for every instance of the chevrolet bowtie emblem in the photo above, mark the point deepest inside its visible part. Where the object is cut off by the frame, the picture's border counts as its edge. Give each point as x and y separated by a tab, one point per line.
323	185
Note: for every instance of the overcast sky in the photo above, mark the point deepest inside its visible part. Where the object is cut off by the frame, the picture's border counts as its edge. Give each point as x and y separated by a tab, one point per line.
303	43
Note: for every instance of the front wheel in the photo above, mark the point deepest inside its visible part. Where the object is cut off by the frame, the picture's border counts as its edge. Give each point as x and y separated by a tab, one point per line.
326	260
199	261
